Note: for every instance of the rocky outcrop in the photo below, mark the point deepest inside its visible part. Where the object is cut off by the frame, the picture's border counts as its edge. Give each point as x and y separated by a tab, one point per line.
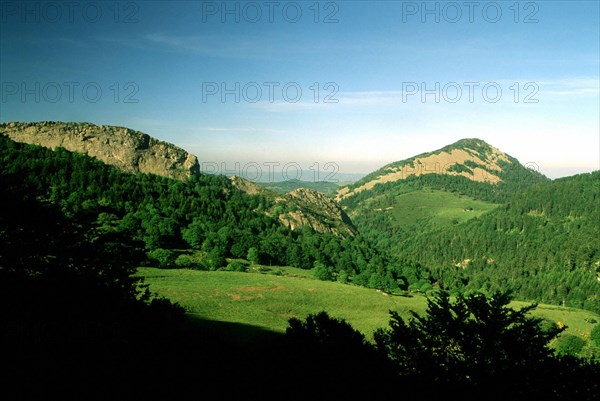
471	158
319	212
128	150
302	207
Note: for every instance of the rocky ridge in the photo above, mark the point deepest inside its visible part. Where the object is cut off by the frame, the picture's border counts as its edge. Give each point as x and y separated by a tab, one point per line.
471	158
303	207
128	150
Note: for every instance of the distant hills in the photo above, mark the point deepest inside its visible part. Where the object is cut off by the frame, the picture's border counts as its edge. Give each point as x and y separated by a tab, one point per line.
282	187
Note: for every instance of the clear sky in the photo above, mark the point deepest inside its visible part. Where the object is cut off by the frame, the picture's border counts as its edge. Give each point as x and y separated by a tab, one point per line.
355	83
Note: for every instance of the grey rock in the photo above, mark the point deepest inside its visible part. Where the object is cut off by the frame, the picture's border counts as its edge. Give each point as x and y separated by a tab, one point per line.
128	150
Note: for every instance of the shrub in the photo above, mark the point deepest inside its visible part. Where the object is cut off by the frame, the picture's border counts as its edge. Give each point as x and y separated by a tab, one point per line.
164	257
343	277
235	265
253	256
322	272
595	335
569	344
190	262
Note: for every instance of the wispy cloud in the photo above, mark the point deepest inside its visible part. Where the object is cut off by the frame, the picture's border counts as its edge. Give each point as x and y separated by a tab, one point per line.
236	130
302	105
573	86
371	98
579	86
221	46
195	44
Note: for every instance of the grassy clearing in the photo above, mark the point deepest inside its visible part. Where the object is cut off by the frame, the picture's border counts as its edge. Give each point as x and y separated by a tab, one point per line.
576	320
440	207
268	301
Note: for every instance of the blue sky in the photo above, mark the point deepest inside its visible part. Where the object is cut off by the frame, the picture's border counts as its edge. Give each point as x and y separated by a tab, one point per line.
162	68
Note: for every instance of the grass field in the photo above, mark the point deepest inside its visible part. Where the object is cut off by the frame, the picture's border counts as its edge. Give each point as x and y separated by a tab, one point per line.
440	207
268	301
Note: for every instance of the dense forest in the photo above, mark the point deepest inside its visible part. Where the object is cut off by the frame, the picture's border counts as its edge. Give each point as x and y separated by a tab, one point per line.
195	223
542	244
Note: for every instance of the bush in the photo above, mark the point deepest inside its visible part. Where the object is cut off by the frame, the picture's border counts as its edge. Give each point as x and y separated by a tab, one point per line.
190	262
595	335
569	344
276	272
343	277
215	259
253	255
375	281
426	287
322	272
238	250
236	265
163	257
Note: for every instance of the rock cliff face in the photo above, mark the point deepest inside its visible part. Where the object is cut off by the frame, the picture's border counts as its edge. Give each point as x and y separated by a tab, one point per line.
129	150
316	210
303	207
471	158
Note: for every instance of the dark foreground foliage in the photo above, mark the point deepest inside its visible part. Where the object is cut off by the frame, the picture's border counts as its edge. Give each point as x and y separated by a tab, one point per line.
473	348
480	346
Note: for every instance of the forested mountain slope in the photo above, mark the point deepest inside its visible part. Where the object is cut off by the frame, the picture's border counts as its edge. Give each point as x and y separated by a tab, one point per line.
543	244
205	217
521	232
418	194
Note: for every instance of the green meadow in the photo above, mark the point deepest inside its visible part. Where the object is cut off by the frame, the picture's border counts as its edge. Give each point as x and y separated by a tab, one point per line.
270	300
441	207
